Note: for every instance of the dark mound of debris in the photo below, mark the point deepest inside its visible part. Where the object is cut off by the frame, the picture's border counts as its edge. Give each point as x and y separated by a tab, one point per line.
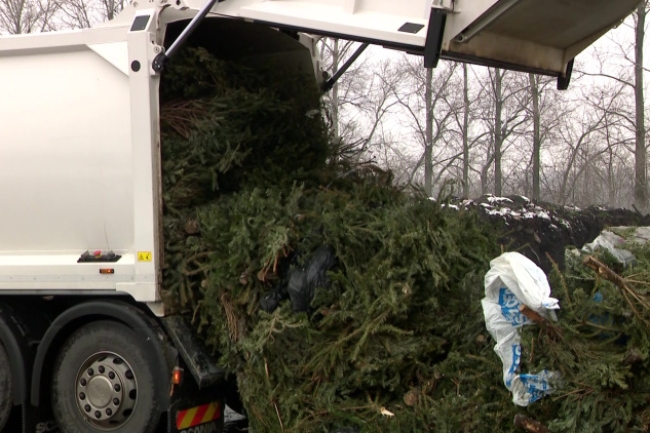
540	230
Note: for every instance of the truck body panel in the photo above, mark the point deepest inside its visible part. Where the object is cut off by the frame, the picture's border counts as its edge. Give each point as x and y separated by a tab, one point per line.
71	178
77	166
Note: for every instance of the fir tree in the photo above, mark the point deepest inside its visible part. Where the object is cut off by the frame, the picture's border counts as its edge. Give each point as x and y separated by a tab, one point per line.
393	338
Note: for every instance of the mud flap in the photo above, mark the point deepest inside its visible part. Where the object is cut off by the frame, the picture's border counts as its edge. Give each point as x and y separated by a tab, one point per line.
195	410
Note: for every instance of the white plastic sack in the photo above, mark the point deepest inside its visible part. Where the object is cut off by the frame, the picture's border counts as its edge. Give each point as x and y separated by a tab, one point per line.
614	244
514	280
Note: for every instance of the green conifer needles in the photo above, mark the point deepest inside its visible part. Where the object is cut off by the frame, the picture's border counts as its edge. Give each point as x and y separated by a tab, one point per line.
395	341
249	196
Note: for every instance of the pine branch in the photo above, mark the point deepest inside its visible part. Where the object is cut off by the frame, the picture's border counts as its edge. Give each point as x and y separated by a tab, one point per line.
534	315
556	268
543	322
605	272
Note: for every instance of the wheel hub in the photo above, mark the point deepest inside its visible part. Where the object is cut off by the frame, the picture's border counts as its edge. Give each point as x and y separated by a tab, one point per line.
106	389
100	391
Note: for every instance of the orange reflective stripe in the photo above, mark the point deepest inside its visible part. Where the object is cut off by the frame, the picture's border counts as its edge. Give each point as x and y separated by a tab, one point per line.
180	416
197	415
211	413
186	422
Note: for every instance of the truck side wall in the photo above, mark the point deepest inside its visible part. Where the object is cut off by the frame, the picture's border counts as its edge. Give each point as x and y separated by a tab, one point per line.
78	153
66	167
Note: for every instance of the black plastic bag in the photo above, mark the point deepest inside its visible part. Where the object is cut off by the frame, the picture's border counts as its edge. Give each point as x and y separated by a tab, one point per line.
305	280
272	299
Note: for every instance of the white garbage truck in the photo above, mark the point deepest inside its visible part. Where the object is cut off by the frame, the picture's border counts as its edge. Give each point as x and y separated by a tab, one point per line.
86	345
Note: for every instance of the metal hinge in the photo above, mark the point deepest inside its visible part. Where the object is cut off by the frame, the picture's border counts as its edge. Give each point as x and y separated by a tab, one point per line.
446	5
162	58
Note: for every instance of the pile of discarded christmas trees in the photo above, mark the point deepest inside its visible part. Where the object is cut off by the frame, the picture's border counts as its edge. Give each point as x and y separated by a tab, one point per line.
342	303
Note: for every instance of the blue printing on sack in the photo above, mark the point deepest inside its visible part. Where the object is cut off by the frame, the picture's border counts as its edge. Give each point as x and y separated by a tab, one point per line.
514	366
510	308
535	386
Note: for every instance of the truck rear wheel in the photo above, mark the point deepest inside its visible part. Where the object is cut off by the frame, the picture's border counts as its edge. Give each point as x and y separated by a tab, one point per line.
103	383
6	389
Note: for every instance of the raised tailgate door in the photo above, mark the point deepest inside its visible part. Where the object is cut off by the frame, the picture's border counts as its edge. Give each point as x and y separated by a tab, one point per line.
530	35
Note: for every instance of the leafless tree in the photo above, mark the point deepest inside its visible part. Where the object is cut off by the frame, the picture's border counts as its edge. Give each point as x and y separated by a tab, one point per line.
27	16
465	122
85	13
628	70
545	107
503	114
641	178
582	133
334	52
537	134
428	112
359	102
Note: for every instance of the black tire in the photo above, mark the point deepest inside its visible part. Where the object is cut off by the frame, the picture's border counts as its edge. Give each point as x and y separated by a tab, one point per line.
6	388
96	360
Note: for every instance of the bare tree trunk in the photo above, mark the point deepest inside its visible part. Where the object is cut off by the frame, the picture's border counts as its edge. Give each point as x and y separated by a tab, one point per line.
428	147
335	89
587	187
611	176
611	186
17	15
640	180
113	7
465	133
537	139
485	173
498	133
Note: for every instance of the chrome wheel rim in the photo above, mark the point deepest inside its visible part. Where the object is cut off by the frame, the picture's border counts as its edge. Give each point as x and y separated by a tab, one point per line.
106	391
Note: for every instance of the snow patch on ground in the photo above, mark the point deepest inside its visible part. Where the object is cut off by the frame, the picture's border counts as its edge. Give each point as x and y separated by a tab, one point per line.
495	200
516	207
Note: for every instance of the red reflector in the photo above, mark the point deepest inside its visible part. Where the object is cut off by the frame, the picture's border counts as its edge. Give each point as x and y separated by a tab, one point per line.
197	415
177	376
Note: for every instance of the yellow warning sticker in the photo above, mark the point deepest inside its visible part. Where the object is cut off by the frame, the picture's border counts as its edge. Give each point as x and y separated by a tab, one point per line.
144	256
